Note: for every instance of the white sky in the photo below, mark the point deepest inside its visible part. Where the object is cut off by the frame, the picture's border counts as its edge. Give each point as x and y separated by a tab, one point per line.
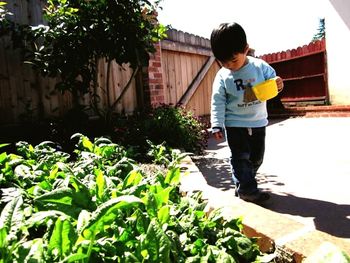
270	25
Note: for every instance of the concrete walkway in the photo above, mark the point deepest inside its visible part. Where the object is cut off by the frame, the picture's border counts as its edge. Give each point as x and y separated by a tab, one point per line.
306	168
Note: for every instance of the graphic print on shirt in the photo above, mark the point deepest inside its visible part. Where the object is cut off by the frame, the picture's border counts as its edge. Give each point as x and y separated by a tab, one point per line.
249	97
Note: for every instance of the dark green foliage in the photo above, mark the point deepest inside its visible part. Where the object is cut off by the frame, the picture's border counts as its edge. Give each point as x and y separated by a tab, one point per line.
176	127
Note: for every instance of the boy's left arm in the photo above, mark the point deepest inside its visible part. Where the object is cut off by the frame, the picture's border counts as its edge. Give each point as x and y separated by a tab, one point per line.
279	82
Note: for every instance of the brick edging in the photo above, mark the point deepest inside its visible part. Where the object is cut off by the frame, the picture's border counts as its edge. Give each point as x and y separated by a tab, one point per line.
288	239
312	111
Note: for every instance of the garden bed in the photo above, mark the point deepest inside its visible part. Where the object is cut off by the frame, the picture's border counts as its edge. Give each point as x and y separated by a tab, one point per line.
104	207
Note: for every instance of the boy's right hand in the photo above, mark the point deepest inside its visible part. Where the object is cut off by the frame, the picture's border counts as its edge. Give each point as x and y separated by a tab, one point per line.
218	135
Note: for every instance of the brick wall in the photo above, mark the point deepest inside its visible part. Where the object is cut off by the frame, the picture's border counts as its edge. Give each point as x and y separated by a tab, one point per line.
155	78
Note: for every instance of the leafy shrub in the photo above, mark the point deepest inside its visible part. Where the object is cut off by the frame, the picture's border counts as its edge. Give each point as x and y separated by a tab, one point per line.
78	33
103	208
174	126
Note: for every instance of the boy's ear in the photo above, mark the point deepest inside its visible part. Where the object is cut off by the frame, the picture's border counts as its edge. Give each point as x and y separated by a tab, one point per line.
246	49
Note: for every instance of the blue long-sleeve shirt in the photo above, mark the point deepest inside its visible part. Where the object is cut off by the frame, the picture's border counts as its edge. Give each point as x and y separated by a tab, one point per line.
228	106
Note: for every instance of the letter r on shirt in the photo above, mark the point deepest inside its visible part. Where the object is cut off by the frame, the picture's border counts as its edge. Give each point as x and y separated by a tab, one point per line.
239	84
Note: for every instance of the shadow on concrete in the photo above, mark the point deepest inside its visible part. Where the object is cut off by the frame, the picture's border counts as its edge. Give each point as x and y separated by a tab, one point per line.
216	172
328	217
270	179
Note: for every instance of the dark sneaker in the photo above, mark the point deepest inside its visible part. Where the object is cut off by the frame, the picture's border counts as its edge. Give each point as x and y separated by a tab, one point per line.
259	198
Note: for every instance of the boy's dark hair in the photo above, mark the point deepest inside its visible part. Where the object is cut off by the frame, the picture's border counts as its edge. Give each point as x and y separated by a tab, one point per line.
226	40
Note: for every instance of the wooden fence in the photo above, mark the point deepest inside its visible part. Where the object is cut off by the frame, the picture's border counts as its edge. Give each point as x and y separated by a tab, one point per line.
26	96
189	70
304	71
180	72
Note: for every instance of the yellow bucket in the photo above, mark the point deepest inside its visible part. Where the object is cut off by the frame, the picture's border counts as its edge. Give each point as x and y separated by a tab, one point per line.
266	90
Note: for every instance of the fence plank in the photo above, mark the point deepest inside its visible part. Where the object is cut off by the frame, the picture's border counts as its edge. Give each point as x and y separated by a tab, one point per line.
196	81
171	85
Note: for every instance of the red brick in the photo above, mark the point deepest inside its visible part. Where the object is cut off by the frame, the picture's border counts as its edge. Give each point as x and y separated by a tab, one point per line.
153	69
158	75
157	57
156	64
154	81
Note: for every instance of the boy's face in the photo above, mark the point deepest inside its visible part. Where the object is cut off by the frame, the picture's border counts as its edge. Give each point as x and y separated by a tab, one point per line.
237	61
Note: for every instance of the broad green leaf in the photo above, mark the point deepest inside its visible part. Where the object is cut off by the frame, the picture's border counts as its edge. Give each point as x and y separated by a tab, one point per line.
62	238
15	158
81	196
141	221
23	171
12	215
42	217
3	235
60	199
65	168
60	195
83	219
75	135
87	144
102	140
39	188
107	151
3	157
244	246
100	183
156	243
164	214
151	204
106	213
173	176
10	193
33	251
132	179
53	172
162	197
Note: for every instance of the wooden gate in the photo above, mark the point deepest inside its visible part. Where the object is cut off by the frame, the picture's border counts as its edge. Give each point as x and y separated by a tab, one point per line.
188	71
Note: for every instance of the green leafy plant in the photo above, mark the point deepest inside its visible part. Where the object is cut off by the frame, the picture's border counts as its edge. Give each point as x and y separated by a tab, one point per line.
174	127
165	156
101	207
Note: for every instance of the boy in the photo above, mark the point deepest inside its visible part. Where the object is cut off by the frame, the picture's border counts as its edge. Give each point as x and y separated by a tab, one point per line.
235	108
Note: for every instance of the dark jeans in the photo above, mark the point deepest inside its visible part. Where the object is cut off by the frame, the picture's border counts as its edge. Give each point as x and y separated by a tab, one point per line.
247	147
